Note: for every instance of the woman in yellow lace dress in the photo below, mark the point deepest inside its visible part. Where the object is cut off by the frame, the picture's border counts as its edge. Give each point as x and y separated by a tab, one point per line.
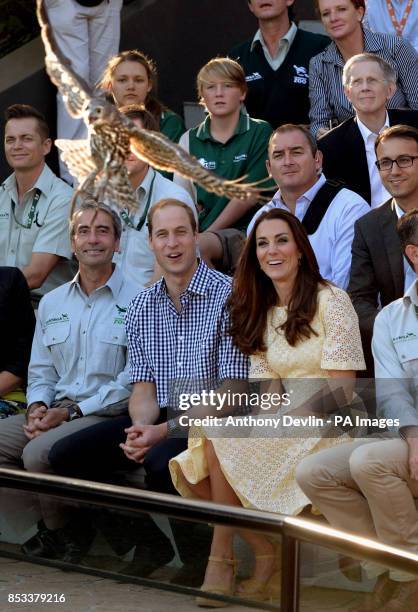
293	324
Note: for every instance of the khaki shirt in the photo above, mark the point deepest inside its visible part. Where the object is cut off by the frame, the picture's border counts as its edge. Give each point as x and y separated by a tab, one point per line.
47	232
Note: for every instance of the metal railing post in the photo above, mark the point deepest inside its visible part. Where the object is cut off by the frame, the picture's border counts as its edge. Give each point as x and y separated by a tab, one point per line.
289	597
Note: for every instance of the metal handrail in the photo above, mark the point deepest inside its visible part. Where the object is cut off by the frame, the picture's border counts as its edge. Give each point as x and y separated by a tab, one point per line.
291	528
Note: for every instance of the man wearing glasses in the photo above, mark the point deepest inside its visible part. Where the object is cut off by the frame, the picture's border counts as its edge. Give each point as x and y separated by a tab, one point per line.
379	272
34	205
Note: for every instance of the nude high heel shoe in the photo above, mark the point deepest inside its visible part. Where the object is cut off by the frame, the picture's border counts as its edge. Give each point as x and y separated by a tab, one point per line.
219	589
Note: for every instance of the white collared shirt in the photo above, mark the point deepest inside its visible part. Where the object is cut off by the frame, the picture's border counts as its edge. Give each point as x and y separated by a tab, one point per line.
135	258
283	48
395	352
332	240
79	349
48	232
410	276
379	194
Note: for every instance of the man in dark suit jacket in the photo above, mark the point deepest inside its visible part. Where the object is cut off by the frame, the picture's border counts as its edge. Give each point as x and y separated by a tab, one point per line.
348	149
378	268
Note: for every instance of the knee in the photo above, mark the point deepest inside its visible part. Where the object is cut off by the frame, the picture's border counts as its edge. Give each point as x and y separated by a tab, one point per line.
369	462
35	457
312	474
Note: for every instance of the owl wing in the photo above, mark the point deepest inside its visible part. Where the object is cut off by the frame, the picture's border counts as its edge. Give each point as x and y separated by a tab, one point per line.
74	90
163	154
77	156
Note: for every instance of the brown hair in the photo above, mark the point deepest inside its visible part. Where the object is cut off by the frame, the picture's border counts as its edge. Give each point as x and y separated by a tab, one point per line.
223	68
296	127
171	202
138	111
24	111
407	228
152	104
253	293
397	131
357	4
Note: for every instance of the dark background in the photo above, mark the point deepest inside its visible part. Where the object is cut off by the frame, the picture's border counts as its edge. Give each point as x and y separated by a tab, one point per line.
180	35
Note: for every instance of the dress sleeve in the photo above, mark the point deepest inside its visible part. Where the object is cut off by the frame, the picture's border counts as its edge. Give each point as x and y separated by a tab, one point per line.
259	367
342	344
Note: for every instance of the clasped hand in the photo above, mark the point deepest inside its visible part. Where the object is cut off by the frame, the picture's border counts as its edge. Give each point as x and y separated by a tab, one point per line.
42	419
140	438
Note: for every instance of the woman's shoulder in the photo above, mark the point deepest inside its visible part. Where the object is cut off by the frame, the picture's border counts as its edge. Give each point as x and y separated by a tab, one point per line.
332	295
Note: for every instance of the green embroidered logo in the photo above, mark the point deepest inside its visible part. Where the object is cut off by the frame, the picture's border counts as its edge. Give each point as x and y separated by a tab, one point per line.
62	318
120	318
405	337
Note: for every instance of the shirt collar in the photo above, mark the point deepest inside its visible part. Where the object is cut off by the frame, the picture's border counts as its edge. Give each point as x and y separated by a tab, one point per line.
43	182
243	125
289	37
308	196
114	282
144	187
198	283
372	44
411	294
364	130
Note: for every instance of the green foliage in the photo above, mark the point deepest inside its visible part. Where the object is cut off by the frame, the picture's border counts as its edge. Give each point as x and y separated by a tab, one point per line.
18	24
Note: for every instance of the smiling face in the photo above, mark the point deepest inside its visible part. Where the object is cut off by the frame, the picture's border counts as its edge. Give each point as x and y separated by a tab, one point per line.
130	83
402	183
340	18
291	162
269	9
94	240
277	252
367	88
174	241
24	146
221	97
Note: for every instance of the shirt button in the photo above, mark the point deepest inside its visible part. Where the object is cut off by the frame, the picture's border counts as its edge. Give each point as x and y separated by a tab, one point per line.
12	250
88	305
81	358
84	331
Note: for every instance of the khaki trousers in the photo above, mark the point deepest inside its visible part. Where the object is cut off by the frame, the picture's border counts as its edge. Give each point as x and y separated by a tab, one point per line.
17	452
364	487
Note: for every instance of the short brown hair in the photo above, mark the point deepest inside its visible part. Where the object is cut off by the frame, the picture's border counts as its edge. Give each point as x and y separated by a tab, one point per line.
224	68
296	127
407	228
25	111
138	111
171	202
397	131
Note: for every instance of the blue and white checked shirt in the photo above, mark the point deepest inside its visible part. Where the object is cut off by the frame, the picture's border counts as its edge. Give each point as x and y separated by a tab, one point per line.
187	351
326	91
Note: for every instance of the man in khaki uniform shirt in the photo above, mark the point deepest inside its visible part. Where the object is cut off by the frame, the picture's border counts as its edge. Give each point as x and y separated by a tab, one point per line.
34	205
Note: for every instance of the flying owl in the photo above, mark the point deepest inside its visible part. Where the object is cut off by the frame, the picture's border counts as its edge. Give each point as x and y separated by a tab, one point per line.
98	162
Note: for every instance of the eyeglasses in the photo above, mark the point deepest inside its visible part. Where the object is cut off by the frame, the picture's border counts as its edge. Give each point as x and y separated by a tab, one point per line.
403	161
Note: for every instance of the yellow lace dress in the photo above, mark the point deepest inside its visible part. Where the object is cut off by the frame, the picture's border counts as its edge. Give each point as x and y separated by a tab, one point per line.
261	469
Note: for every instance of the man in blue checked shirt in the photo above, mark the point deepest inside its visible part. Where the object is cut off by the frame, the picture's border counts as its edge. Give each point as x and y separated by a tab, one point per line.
177	340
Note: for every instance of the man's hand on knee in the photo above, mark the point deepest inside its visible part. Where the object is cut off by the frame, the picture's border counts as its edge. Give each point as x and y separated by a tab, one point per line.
41	419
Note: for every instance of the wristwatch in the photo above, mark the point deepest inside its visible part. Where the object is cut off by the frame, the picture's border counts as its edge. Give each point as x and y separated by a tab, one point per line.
74	412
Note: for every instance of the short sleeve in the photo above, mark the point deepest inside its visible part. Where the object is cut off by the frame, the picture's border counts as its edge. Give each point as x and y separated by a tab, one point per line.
259	367
342	348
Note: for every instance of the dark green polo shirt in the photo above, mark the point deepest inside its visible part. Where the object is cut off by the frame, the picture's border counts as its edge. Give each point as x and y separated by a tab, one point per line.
244	154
